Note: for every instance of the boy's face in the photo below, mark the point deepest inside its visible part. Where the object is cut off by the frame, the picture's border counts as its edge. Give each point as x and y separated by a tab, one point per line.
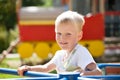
67	35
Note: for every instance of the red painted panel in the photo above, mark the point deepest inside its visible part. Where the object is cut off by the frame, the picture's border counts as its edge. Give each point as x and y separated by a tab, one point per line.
93	30
37	32
112	13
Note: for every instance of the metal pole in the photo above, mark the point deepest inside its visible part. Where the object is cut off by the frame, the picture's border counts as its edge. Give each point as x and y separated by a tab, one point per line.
103	65
94	6
27	73
101	6
70	4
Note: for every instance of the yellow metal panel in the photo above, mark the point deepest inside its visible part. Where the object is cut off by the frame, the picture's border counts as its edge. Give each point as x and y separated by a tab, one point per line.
25	50
96	47
37	22
42	49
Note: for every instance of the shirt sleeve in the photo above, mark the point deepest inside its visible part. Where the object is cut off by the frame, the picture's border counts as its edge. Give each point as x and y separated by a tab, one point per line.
56	58
85	58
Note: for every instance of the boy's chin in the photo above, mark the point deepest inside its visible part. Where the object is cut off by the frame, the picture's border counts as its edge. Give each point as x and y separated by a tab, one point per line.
66	49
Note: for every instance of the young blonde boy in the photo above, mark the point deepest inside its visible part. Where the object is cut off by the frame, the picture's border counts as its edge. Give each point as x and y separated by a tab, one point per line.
72	57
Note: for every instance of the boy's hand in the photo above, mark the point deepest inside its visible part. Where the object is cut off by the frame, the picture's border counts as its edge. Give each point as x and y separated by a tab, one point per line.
22	69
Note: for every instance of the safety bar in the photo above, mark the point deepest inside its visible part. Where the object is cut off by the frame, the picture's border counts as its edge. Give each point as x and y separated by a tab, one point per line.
41	75
103	77
27	73
37	78
62	76
103	65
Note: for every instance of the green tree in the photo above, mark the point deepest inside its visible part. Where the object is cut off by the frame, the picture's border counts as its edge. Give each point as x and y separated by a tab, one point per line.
8	13
33	2
8	17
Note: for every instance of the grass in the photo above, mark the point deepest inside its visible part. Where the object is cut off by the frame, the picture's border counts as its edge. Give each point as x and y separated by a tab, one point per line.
3	76
5	65
14	65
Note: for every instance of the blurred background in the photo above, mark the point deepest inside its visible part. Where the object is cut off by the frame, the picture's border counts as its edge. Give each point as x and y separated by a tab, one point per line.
32	21
27	30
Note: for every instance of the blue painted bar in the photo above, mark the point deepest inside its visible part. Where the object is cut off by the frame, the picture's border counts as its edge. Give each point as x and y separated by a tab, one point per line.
103	65
63	76
38	78
104	77
70	75
27	73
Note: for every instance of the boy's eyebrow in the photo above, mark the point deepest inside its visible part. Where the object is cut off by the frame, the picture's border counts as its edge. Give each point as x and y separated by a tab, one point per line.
58	32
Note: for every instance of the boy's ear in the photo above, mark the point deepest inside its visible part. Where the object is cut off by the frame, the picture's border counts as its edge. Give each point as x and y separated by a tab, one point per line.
80	35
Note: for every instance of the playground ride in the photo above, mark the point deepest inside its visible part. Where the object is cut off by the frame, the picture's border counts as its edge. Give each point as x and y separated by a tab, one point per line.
36	30
66	76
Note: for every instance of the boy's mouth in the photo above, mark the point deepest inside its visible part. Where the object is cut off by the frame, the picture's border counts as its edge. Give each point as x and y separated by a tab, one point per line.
63	43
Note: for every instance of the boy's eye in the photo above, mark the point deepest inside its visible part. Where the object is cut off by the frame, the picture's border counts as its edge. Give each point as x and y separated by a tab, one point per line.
68	34
58	33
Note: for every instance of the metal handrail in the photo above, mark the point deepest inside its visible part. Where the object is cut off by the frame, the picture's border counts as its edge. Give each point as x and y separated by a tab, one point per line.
45	76
27	73
103	65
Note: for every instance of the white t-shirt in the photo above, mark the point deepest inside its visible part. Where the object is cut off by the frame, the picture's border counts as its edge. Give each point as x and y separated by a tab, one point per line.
79	58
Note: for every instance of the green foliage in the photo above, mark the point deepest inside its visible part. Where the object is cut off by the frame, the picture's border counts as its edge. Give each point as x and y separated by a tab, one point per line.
8	19
32	2
2	45
48	3
5	40
5	65
8	13
2	39
44	3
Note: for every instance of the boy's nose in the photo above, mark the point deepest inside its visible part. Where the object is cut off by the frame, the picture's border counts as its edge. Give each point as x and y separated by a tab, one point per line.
62	37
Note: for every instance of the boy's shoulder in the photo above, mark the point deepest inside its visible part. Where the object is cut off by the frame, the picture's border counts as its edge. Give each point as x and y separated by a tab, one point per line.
79	46
60	52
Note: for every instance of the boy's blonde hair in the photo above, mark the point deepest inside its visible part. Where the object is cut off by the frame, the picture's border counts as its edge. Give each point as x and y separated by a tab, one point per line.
71	16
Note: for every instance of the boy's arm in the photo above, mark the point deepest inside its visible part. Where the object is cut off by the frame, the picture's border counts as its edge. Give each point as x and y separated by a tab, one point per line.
38	68
91	69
